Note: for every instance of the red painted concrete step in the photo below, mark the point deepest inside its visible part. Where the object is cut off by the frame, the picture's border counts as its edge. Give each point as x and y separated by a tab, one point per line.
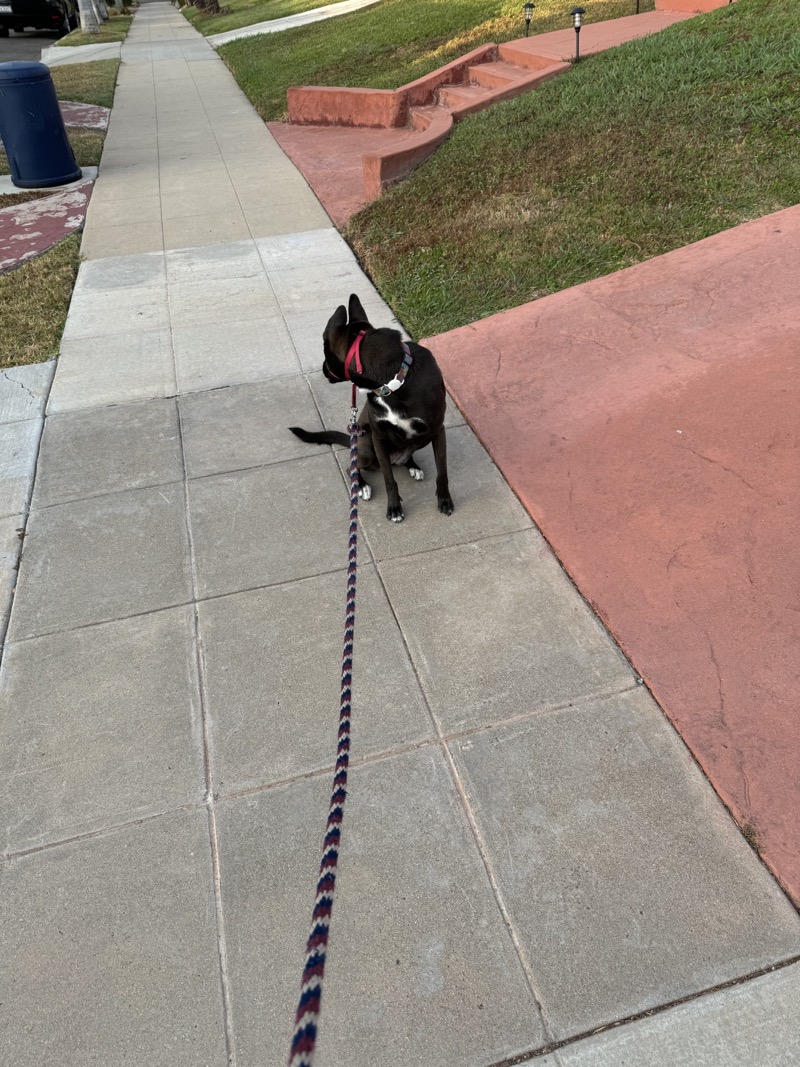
496	75
648	422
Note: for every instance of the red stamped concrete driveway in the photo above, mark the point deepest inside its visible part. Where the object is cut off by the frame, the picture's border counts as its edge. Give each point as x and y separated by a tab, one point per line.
649	423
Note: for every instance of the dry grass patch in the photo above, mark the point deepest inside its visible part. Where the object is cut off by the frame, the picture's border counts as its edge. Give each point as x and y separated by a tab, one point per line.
34	301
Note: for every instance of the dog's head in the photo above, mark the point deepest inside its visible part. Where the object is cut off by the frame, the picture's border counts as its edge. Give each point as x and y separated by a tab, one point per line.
343	327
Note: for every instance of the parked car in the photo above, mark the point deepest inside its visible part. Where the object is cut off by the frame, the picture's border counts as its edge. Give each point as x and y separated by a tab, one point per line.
59	15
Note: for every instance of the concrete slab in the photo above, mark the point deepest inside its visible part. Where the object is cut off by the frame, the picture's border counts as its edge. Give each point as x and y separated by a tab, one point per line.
206	302
402	976
234	259
143	272
244	426
113	369
23	391
302	250
307	216
205	229
625	878
756	1023
273	693
133	309
117	935
488	650
484	506
105	450
125	239
212	355
119	211
327	286
268	525
96	560
122	740
19	446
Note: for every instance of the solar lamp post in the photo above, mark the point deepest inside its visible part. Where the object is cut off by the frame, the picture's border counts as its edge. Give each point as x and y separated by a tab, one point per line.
577	20
528	9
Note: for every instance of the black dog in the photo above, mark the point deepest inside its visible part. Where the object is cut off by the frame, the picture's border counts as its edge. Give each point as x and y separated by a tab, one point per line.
405	403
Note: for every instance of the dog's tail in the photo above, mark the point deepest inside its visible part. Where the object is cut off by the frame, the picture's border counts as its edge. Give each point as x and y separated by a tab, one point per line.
322	437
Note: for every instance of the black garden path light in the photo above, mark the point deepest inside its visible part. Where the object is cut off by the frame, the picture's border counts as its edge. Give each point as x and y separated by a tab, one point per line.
528	9
577	19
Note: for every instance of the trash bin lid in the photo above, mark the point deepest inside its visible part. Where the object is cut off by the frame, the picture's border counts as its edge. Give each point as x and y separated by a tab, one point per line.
16	71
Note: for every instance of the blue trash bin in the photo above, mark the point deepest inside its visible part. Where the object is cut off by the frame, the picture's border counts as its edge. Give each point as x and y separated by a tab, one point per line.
32	129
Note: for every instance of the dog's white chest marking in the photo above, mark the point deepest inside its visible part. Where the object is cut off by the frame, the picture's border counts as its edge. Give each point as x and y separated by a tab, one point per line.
410	427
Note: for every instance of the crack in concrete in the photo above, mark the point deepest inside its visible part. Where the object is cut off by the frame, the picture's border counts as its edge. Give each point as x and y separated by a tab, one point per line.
5	374
728	470
723	721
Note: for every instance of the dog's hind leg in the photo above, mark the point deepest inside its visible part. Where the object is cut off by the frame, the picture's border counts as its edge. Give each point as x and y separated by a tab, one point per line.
442	483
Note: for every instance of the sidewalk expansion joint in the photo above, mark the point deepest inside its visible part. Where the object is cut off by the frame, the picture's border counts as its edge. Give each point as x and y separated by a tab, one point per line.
103	831
439	741
200	666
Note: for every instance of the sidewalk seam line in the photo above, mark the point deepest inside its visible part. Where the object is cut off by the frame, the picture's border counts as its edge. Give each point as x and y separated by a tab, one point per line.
222	949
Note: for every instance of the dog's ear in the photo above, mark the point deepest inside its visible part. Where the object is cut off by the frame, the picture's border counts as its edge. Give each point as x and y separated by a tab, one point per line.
337	320
335	331
357	312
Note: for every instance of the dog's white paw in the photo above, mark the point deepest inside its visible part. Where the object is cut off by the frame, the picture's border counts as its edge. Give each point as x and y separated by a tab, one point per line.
417	473
365	492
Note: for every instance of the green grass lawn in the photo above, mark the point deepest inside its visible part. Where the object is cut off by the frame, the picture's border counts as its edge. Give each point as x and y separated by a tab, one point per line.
34	298
390	44
632	153
115	29
87	83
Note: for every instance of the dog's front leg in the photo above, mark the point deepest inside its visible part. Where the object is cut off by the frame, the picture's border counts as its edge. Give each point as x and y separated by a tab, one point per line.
394	507
442	484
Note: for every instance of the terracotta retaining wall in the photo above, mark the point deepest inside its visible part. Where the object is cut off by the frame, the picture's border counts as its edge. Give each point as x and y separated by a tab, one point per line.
313	105
382	169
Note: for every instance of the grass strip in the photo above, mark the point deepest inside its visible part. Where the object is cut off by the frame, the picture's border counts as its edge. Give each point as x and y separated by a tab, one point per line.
390	44
633	153
34	300
87	83
115	29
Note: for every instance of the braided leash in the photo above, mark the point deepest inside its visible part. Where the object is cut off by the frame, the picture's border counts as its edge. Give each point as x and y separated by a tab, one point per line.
306	1018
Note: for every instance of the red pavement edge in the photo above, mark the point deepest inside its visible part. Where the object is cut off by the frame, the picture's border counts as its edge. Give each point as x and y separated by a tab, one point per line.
648	422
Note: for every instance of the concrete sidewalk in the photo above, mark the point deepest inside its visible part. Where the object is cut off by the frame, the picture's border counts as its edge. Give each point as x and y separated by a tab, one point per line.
529	853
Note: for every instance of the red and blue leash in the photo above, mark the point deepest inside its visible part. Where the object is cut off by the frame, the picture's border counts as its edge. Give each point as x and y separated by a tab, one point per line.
306	1020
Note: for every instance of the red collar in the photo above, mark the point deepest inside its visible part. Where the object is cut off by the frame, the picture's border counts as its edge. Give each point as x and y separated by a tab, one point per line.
354	354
